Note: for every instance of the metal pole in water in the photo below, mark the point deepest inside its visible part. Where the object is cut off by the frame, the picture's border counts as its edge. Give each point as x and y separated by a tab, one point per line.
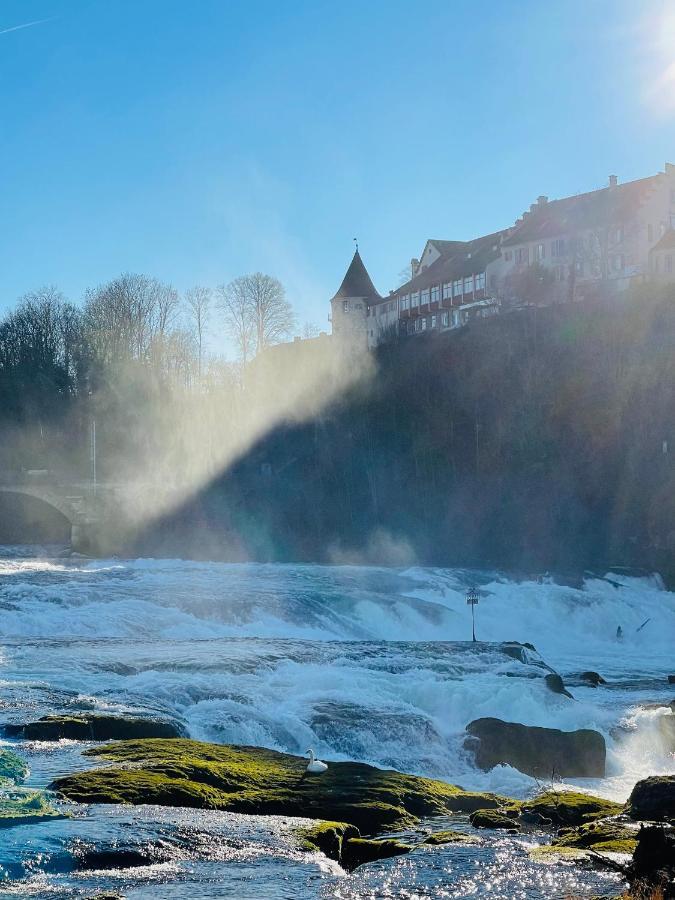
472	601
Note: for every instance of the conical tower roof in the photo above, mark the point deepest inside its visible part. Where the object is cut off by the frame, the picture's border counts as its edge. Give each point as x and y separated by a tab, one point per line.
356	282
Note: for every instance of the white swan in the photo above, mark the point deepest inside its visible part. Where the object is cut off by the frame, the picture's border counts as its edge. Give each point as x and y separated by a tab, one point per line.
315	765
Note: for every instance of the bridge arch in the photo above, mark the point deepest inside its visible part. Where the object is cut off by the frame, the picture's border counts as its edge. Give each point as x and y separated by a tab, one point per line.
28	515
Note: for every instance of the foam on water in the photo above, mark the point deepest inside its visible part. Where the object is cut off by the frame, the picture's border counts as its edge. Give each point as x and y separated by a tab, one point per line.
347	659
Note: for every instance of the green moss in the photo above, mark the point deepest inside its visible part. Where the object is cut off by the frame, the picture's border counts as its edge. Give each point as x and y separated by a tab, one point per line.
567	808
12	767
358	851
181	772
26	808
327	838
493	818
602	836
450	837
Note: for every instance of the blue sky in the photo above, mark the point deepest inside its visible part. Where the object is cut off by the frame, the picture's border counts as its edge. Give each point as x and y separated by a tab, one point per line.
197	141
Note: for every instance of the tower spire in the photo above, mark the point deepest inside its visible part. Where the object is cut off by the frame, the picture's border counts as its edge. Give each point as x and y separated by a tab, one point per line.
356	241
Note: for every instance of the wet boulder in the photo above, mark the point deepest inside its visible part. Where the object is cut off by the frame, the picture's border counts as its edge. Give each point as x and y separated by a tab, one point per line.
22	807
553	809
93	727
653	799
555	684
539	752
592	678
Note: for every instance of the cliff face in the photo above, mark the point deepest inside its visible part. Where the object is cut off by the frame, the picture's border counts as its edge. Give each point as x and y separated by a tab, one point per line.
542	439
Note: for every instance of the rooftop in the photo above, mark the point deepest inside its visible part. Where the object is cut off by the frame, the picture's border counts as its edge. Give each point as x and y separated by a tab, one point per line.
357	282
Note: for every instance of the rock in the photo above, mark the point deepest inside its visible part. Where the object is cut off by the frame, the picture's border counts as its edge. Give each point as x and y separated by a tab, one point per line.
23	807
603	836
671	679
357	851
93	727
555	683
180	772
539	752
492	818
653	799
568	808
652	872
344	844
592	678
12	768
437	838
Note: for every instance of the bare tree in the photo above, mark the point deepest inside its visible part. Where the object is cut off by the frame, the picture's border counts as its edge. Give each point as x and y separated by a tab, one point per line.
234	304
198	301
257	313
310	330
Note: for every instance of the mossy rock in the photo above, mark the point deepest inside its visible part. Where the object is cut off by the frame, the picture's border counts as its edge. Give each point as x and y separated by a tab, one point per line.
253	780
437	838
343	843
570	808
493	818
653	799
602	836
13	769
26	808
358	851
93	727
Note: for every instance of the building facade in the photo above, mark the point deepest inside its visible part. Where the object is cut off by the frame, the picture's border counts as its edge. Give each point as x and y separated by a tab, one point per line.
557	251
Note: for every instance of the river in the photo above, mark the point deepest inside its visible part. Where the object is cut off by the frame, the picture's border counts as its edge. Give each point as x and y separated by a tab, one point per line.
359	663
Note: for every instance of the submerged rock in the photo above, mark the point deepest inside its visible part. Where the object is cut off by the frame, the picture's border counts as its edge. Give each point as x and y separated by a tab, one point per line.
653	799
602	836
13	769
539	752
493	818
566	808
26	808
450	836
189	773
93	727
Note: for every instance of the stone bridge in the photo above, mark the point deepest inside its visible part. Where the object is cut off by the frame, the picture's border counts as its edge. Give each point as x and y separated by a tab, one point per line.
87	507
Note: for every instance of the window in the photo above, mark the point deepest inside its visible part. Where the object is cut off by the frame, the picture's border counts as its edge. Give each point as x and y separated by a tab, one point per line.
558	247
508	255
447	290
539	251
405	301
418	324
358	306
579	267
455	318
415	298
617	262
424	296
424	324
669	263
650	233
480	282
457	288
435	293
523	255
445	319
657	264
433	321
468	284
345	306
617	235
559	273
672	195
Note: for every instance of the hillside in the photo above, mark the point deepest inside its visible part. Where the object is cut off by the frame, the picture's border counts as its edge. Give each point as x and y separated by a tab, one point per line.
539	440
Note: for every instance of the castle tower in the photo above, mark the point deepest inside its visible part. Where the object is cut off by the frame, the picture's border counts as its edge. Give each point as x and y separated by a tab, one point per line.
351	304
